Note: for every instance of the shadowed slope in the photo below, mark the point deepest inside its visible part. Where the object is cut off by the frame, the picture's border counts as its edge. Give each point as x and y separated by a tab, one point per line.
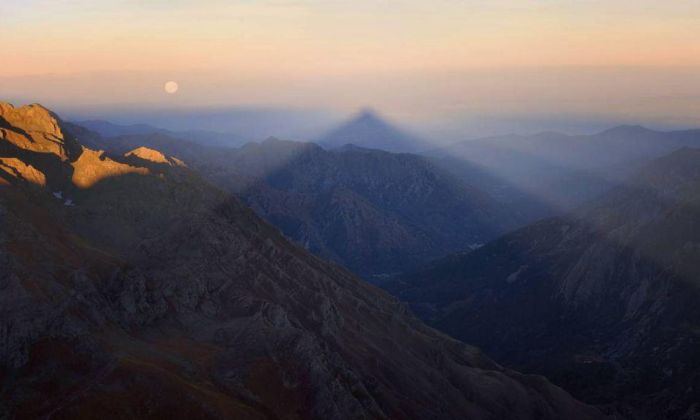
604	301
372	211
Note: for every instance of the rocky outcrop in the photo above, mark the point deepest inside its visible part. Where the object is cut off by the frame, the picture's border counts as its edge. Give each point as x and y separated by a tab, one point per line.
93	166
148	154
158	295
40	150
154	156
35	128
18	169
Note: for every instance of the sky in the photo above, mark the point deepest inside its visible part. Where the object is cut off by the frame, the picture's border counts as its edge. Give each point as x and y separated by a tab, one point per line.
431	61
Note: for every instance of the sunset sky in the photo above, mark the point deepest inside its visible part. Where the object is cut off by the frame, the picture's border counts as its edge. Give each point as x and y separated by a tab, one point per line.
621	59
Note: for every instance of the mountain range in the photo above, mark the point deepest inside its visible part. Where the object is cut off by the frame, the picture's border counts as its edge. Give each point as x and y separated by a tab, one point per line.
372	211
222	123
602	300
204	137
132	288
379	213
550	173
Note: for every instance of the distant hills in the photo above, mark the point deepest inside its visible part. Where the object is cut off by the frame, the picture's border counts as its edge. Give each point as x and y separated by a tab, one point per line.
602	300
550	173
367	129
204	137
248	123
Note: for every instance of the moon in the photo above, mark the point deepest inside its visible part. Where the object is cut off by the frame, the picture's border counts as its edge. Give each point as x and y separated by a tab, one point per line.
170	87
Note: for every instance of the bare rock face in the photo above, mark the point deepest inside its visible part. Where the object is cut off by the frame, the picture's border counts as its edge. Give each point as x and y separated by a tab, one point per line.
42	152
148	154
154	156
16	168
37	129
155	295
92	167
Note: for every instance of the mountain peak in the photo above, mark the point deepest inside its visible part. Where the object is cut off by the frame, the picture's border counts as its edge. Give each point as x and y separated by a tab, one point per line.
39	150
154	156
34	117
34	128
148	154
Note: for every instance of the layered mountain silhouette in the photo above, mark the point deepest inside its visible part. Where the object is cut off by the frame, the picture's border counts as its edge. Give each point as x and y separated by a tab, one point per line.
204	137
367	129
375	212
131	288
549	173
603	300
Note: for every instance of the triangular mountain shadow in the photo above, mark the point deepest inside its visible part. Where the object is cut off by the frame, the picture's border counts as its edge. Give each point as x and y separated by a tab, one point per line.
367	129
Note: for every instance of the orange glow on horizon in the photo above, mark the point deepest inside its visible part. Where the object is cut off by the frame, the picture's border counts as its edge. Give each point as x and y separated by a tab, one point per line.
344	55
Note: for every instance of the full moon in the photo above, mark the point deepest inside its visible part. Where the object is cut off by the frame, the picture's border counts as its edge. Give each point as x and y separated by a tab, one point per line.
170	87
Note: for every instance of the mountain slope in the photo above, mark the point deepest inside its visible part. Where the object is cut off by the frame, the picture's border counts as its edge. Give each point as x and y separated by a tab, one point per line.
547	173
374	212
370	131
603	301
149	294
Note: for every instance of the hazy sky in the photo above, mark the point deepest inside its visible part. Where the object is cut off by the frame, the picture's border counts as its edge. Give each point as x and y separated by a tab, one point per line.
615	59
